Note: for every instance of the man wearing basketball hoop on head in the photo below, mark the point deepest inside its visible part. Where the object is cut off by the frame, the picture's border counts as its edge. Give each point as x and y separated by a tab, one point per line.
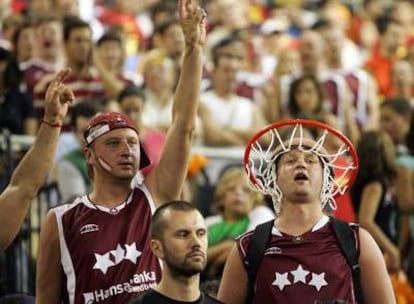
97	249
307	256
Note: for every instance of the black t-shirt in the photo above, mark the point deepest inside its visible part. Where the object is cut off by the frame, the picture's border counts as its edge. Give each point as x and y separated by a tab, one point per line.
154	297
15	108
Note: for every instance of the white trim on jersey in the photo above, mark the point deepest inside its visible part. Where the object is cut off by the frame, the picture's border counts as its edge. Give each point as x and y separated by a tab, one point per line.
151	203
65	258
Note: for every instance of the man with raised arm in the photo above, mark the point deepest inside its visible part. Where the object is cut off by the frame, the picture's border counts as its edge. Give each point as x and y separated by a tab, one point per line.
97	248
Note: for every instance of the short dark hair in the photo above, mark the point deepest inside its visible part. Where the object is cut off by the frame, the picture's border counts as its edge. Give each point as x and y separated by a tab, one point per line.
131	90
383	23
399	105
217	48
166	24
162	7
110	36
12	75
157	219
45	19
71	23
85	108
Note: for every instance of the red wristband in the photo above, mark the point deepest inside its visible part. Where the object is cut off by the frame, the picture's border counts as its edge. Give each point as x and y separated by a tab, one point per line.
56	125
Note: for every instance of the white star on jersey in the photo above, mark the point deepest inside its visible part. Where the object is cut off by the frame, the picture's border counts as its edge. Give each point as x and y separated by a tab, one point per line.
299	275
118	254
318	280
103	262
132	253
281	280
114	257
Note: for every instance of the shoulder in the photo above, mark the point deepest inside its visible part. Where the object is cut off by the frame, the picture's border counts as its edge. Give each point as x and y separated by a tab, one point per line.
243	243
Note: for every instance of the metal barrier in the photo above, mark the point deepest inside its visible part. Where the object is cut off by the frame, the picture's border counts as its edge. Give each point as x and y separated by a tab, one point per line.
17	263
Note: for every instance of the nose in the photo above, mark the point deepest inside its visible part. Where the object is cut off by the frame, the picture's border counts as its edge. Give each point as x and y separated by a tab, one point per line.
301	162
197	241
125	148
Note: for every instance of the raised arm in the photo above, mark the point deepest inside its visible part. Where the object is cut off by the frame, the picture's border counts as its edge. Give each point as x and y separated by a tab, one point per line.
32	170
166	180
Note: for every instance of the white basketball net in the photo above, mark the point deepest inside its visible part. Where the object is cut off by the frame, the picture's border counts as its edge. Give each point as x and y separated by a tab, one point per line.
262	165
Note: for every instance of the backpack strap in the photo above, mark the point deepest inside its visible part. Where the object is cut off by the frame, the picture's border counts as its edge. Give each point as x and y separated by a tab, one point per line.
260	238
346	237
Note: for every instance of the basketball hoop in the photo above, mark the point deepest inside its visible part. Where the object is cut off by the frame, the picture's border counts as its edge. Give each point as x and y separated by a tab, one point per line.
309	136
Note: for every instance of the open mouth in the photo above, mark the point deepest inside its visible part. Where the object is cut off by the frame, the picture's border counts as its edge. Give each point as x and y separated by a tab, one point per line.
301	177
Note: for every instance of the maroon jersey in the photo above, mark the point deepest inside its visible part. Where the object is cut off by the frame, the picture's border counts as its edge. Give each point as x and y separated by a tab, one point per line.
34	70
301	270
105	253
357	82
89	86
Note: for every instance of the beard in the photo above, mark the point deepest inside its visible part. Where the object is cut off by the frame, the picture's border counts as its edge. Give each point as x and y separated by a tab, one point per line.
183	267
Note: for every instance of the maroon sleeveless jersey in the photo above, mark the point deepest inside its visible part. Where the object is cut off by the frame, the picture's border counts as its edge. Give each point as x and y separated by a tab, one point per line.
301	270
105	253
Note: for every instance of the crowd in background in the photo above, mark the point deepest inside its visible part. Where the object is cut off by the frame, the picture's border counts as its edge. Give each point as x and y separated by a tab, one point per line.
350	65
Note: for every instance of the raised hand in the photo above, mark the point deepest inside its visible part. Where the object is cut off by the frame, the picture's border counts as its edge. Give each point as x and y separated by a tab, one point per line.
192	19
57	98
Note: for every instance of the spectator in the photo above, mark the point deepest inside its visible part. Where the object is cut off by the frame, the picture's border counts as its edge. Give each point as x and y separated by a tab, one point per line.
239	209
179	239
303	258
16	108
23	42
372	194
73	179
131	101
48	48
392	38
103	236
228	119
109	60
85	81
159	80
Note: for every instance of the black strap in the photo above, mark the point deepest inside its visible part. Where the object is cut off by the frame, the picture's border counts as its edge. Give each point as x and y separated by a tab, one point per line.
260	238
347	241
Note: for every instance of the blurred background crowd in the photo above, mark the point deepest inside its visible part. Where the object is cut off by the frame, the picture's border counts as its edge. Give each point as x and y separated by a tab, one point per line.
349	64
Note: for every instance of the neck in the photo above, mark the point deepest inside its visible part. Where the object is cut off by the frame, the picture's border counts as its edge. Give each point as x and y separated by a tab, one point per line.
110	195
50	58
78	69
182	288
297	219
385	51
232	217
335	63
404	91
223	92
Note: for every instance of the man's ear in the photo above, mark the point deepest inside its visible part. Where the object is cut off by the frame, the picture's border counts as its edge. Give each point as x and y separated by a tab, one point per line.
88	155
157	249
